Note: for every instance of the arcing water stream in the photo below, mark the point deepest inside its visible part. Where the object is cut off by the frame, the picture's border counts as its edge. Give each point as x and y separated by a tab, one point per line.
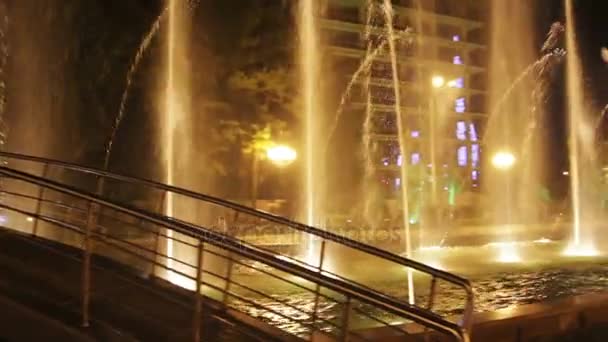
129	79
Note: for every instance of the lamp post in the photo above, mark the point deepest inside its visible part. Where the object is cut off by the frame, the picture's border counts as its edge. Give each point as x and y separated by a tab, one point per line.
503	161
279	155
437	82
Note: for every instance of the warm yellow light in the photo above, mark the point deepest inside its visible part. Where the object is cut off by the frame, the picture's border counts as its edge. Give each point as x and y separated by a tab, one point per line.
543	240
452	84
30	219
507	252
281	155
438	81
430	248
503	160
575	250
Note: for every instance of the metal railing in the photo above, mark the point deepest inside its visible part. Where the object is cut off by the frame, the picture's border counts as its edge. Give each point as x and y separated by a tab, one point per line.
185	226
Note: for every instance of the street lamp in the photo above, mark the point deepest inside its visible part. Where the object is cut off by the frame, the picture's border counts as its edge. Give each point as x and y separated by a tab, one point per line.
439	86
503	160
438	81
279	155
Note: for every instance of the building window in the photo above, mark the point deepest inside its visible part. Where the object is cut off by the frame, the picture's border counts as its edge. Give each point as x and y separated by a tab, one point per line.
385	123
457	60
382	95
462	156
460	105
473	132
460	82
415	134
415	158
455	38
475	155
381	70
461	130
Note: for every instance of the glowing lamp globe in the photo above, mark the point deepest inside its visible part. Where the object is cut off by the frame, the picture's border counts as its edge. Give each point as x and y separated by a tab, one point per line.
281	155
438	81
503	160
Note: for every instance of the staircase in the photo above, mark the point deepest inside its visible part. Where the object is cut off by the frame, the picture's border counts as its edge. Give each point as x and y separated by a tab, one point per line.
110	269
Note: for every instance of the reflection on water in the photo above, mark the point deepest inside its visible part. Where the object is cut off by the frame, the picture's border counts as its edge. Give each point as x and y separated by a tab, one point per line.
503	290
495	288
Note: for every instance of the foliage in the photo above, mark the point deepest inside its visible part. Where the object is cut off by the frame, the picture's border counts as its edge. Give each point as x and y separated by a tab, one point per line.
269	93
243	60
256	83
85	57
251	138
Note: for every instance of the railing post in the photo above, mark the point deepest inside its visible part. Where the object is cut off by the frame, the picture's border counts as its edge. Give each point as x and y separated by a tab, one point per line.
467	317
157	249
228	279
346	319
430	304
432	293
318	288
91	225
39	203
86	263
196	333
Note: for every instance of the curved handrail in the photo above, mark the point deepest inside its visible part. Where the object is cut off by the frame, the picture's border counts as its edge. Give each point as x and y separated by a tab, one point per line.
449	277
225	242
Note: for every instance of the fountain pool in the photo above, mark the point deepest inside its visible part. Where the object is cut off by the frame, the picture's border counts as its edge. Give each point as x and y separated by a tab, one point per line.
544	275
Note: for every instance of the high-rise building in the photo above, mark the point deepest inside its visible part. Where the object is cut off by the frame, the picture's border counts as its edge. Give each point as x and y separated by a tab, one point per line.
441	59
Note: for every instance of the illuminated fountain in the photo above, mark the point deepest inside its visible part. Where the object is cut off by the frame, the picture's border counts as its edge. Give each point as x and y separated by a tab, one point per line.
581	144
514	124
376	29
511	94
388	10
511	147
309	73
176	117
176	122
141	50
518	91
310	68
519	85
509	140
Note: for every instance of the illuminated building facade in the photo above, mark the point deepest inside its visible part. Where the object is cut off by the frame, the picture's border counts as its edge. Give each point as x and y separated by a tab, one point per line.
442	75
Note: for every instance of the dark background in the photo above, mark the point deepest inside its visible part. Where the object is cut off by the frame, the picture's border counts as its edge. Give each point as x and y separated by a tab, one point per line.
85	49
